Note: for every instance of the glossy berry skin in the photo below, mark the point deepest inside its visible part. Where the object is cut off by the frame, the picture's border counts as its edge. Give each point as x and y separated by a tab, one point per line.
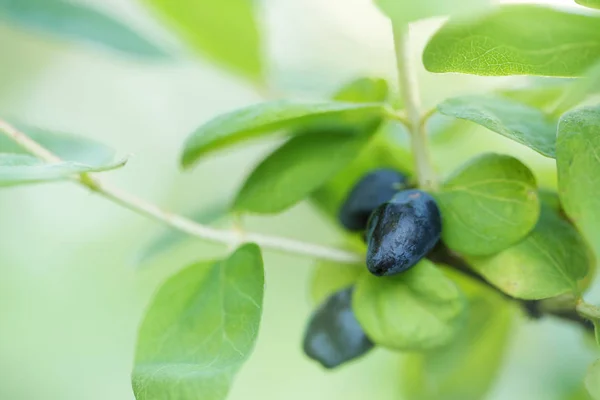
373	189
401	232
333	335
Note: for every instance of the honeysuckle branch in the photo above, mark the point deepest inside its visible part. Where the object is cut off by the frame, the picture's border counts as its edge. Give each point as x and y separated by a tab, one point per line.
152	211
412	103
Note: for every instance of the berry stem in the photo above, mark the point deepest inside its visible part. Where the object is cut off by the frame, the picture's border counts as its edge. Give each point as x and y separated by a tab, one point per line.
152	211
410	94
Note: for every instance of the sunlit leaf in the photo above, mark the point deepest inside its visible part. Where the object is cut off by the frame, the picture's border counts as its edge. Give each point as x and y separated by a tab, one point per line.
578	160
200	328
548	262
514	120
488	204
77	22
261	119
225	31
592	380
296	169
402	12
417	310
516	40
589	3
363	90
475	356
329	277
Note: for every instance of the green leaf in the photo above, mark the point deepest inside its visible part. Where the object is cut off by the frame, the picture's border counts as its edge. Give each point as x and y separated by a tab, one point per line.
579	90
488	204
329	277
296	169
18	169
592	314
77	22
475	356
200	328
169	239
417	310
516	121
224	31
589	3
67	147
380	152
592	380
548	262
260	119
403	12
538	92
578	160
364	90
516	40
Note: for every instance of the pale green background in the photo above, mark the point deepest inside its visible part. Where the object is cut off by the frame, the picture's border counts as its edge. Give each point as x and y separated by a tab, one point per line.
70	294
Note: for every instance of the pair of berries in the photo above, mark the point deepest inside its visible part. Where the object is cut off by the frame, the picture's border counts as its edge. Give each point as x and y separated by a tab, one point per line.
401	227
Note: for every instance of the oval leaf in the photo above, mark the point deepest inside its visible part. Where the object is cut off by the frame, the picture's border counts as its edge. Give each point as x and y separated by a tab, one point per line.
364	90
516	40
488	205
548	262
200	328
67	147
295	170
402	12
18	169
578	160
511	119
475	356
254	121
74	21
330	277
224	31
592	380
589	3
417	310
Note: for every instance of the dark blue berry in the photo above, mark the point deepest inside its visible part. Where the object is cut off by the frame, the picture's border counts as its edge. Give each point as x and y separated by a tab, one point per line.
334	336
372	190
401	232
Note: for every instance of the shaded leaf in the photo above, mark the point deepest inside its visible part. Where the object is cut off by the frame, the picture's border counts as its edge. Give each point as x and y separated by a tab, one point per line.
417	310
578	160
488	204
258	120
296	169
18	169
200	328
516	40
511	119
224	31
548	262
475	356
78	22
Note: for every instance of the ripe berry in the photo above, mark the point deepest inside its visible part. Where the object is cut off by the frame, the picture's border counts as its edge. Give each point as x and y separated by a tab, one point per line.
334	336
372	190
401	232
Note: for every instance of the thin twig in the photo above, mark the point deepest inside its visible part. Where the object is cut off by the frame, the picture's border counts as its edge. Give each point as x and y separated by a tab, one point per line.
179	222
